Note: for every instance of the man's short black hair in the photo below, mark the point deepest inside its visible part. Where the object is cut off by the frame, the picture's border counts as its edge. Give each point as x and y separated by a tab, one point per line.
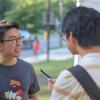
5	26
84	23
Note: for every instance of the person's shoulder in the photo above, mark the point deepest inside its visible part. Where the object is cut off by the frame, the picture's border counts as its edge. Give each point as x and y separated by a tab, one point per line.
65	74
23	63
65	77
66	81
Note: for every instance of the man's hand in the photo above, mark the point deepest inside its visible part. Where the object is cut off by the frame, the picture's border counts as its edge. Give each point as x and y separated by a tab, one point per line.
51	83
33	97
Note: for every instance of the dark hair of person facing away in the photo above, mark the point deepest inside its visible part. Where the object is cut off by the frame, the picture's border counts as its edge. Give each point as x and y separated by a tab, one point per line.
5	26
84	23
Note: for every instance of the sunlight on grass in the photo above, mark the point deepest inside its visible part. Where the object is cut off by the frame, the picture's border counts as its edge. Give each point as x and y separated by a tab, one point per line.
53	67
44	94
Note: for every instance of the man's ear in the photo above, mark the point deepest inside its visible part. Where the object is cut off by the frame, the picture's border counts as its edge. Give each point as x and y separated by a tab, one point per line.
72	38
0	46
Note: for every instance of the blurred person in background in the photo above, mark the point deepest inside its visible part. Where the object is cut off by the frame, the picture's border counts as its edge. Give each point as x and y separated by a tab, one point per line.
36	46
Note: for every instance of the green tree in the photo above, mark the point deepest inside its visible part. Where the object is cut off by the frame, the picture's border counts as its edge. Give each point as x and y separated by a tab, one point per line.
29	12
5	5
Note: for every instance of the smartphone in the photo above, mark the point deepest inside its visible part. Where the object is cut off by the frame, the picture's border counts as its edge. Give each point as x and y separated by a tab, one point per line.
48	76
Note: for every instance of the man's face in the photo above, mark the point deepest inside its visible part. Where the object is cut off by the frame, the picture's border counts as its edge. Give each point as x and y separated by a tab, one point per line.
71	43
71	47
12	44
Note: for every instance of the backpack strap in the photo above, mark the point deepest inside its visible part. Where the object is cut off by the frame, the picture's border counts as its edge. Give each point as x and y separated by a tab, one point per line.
86	81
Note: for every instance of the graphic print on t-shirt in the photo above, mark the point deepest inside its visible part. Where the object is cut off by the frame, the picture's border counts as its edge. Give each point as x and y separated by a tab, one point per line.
15	92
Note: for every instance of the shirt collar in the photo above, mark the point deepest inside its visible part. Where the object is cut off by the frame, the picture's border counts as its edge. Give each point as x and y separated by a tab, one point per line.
90	58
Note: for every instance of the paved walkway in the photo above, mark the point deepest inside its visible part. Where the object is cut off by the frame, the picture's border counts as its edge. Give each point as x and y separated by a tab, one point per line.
56	54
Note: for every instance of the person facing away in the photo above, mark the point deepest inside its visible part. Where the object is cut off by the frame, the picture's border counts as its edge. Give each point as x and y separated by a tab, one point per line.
18	80
81	32
36	44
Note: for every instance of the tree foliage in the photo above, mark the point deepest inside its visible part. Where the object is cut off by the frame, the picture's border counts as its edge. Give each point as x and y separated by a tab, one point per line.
5	5
29	12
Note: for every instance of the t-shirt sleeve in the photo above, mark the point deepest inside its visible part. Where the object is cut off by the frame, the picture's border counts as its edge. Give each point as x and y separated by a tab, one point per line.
34	85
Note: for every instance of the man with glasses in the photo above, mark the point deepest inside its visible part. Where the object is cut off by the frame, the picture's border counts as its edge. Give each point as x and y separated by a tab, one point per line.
81	32
18	80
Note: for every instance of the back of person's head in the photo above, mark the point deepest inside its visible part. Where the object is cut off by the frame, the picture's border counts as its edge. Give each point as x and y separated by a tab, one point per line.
5	26
84	23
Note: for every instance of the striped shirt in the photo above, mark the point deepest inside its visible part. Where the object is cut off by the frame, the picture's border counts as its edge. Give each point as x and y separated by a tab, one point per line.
68	88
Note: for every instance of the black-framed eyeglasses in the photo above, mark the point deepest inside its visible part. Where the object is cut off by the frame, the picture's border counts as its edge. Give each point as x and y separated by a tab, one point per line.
15	40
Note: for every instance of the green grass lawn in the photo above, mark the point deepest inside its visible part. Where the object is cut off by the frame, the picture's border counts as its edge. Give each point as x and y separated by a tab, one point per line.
53	68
